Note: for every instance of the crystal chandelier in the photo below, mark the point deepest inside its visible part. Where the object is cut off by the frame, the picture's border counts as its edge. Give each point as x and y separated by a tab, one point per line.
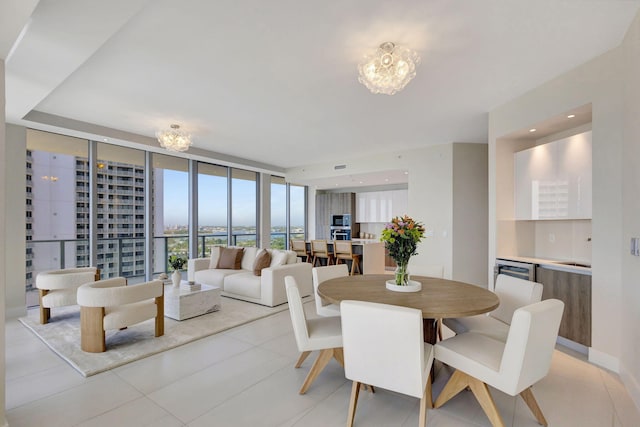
388	69
174	139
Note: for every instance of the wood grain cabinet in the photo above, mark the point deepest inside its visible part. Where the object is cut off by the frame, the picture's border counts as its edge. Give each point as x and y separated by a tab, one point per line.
328	204
574	290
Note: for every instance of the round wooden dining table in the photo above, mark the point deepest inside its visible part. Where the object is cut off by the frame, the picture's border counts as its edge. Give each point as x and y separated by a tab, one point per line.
438	299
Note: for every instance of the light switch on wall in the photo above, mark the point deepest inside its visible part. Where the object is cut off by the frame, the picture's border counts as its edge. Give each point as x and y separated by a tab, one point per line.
635	246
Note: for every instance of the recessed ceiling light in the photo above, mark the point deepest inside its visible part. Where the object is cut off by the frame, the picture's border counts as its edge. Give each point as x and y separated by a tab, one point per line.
533	130
406	172
571	116
360	182
386	180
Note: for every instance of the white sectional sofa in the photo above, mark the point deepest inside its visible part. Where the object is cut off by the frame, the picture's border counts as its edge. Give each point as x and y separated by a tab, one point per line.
266	289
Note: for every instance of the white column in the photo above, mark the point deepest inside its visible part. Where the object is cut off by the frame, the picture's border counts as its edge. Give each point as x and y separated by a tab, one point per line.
14	235
264	218
3	218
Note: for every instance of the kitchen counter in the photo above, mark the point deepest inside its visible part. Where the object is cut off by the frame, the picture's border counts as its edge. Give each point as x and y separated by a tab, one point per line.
552	264
364	241
372	251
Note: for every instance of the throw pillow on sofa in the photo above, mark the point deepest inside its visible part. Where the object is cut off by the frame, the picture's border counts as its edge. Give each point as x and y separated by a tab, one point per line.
230	258
278	258
215	256
263	260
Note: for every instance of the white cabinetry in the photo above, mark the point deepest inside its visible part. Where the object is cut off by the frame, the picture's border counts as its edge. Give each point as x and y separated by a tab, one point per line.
553	180
380	206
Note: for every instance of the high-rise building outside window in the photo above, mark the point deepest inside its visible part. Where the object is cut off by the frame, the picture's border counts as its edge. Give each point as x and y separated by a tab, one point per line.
56	217
121	201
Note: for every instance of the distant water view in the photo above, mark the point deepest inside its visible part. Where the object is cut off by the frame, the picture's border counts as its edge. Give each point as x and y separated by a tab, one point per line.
213	235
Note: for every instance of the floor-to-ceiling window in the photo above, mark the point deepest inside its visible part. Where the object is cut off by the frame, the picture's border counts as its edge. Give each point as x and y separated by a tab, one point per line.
170	209
243	207
212	207
120	211
58	190
297	211
57	209
278	212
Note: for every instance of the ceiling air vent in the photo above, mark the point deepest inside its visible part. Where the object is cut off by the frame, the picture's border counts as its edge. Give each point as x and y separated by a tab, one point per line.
336	167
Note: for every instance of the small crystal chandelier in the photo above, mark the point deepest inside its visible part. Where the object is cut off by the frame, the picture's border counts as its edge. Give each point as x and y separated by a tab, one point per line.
388	69
174	139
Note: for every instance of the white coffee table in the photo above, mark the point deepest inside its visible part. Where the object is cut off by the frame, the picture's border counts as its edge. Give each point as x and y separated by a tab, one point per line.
183	303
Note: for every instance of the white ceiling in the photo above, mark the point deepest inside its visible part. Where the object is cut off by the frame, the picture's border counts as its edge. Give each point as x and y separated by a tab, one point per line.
275	82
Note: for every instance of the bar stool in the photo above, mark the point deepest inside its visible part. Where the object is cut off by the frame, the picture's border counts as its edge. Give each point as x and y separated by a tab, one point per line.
320	249
343	250
300	248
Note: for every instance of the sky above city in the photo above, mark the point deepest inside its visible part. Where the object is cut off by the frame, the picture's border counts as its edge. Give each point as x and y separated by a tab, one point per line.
212	196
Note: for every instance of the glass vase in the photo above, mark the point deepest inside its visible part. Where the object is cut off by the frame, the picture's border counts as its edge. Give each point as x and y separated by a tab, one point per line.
402	273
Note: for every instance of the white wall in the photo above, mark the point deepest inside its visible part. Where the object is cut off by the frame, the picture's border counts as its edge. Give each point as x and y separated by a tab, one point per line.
470	215
430	199
431	202
14	240
630	316
609	82
3	262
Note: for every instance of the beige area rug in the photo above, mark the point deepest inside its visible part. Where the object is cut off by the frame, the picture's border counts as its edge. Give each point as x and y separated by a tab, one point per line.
62	334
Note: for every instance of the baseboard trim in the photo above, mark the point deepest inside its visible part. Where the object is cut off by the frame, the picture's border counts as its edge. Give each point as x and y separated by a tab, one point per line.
15	312
632	386
604	360
583	349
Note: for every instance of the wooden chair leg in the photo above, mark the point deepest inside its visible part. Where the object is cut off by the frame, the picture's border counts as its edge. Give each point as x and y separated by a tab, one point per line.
45	312
530	400
455	385
353	402
160	316
481	392
339	356
440	329
302	358
355	263
425	403
458	382
323	358
429	393
91	329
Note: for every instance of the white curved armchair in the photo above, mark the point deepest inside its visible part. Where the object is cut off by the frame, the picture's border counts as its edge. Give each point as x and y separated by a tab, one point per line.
513	293
511	367
57	288
111	304
324	334
322	274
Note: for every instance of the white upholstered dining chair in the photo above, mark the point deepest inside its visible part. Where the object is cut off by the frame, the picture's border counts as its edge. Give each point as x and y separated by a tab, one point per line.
322	274
384	347
513	293
511	367
323	334
111	304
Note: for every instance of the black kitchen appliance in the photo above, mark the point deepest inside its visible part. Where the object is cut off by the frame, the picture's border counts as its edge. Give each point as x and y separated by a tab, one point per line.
341	220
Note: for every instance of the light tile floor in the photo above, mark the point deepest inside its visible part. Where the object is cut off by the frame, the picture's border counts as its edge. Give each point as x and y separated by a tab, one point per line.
245	377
